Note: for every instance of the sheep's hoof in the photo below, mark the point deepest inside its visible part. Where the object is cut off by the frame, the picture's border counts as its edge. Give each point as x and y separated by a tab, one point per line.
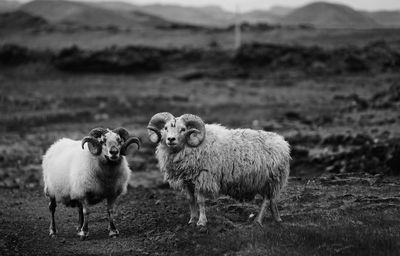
83	235
113	233
202	223
203	229
52	233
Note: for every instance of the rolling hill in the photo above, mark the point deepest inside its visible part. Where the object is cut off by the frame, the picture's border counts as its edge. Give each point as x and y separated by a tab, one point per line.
212	16
280	10
8	5
20	20
204	16
86	14
125	15
386	18
327	15
260	16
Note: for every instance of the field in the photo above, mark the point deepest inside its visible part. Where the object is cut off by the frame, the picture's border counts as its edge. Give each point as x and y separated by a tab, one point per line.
343	195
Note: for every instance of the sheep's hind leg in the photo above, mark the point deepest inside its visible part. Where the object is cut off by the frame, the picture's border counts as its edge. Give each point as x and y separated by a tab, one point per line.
84	231
274	210
260	216
192	205
113	231
52	209
202	218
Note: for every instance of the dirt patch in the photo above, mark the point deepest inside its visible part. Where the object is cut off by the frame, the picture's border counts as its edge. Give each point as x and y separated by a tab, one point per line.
320	218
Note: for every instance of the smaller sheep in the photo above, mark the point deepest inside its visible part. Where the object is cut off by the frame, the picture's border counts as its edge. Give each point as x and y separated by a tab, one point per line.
210	159
80	176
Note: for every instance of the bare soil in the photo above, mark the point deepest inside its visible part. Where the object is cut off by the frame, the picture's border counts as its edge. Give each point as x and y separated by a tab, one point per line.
331	215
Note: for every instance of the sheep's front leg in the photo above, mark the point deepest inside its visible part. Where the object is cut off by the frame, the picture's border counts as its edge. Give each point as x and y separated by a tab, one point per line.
84	231
202	218
52	209
80	214
113	231
192	204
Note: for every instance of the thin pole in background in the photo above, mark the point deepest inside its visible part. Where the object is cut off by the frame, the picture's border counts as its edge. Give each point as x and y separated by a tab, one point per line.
238	32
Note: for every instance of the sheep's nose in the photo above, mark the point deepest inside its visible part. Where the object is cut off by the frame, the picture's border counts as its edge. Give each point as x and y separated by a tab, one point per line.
171	139
114	151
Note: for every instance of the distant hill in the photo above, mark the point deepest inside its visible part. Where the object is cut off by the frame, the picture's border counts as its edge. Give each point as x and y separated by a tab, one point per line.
20	20
8	5
260	17
126	15
89	15
280	10
115	6
327	15
386	18
204	16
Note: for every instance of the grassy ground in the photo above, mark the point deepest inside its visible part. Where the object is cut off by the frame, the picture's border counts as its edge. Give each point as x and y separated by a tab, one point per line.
334	215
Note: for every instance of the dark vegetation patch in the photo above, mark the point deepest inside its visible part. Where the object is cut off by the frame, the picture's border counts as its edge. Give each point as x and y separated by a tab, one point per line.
14	55
341	153
373	58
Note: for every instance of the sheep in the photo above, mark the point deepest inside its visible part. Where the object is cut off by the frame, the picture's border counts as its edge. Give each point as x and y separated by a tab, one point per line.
79	176
206	160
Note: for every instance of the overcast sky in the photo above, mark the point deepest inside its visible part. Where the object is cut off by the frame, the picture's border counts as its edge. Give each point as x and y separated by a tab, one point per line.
246	5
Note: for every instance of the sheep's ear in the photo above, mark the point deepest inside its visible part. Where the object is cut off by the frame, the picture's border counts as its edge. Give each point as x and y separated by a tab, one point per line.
94	145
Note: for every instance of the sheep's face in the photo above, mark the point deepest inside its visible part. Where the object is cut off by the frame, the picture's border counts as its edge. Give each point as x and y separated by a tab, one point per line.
111	146
174	134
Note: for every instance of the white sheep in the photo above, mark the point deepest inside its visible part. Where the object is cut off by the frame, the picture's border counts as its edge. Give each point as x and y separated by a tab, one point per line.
209	159
80	175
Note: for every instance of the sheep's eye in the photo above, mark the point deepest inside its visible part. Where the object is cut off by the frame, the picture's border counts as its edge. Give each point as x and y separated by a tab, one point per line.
183	129
165	128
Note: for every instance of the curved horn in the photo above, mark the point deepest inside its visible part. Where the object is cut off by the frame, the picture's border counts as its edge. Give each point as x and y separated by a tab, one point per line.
94	145
97	132
122	132
155	125
196	129
128	142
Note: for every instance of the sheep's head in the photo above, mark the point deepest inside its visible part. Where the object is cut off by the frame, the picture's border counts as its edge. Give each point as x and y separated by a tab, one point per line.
177	132
109	144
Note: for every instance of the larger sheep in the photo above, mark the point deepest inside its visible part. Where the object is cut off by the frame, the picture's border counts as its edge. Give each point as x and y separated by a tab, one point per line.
80	173
209	159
